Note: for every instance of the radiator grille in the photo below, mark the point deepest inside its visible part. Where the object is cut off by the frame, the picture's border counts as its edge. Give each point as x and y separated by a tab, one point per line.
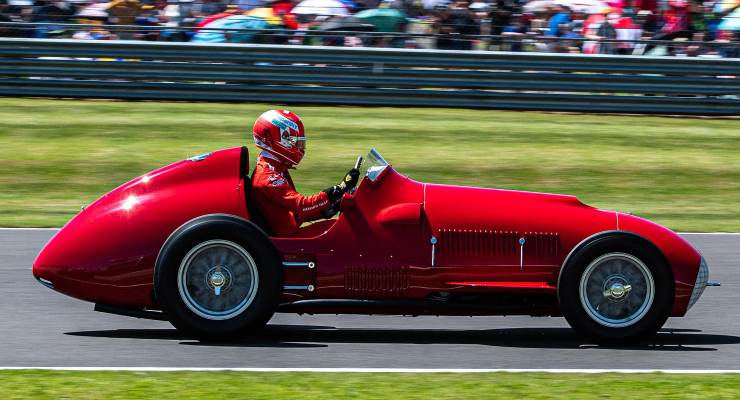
375	281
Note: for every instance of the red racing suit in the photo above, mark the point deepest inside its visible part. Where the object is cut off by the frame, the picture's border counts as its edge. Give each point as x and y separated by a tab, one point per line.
282	206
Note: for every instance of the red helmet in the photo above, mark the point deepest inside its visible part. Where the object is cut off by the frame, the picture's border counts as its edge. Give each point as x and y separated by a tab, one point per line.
280	132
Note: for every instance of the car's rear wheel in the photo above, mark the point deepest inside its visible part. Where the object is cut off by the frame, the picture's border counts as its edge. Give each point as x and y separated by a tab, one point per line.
616	289
218	279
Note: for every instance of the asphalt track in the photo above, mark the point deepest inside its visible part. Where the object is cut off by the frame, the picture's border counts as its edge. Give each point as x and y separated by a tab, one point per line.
41	328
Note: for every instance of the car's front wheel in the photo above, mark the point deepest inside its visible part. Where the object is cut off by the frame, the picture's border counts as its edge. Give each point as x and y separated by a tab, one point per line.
216	281
616	289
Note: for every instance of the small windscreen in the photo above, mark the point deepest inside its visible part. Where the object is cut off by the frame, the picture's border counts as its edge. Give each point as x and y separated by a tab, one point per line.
374	165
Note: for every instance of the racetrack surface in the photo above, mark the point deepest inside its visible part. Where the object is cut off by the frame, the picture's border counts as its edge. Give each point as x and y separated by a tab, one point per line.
42	328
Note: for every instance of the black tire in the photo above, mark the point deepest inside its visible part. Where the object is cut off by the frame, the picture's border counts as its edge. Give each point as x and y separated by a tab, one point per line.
232	234
651	318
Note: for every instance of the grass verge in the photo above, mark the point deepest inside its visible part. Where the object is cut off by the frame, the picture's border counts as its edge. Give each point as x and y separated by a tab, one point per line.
56	155
39	385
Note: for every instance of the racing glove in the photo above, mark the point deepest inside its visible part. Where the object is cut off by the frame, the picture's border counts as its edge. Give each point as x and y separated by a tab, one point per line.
334	193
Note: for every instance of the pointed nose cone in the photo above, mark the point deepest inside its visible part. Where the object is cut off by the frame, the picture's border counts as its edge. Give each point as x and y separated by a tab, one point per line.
56	266
81	261
102	255
43	266
75	260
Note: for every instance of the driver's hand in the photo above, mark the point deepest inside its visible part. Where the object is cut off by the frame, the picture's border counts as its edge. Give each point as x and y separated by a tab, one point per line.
331	211
334	193
350	180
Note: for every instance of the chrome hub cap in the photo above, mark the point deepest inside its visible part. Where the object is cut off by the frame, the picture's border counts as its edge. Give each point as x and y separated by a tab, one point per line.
617	290
217	280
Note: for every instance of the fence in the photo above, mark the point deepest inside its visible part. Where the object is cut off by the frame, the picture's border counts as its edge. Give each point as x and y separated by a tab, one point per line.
282	36
361	76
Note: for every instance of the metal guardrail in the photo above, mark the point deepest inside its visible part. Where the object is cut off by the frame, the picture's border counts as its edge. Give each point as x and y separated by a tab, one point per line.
362	76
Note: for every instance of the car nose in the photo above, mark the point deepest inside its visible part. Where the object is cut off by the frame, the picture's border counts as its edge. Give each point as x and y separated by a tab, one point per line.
57	265
45	267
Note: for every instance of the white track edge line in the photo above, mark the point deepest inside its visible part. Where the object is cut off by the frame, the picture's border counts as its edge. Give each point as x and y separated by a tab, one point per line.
30	229
379	370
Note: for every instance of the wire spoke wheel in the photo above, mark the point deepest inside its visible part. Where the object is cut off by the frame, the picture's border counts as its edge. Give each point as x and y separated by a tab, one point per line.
217	279
617	290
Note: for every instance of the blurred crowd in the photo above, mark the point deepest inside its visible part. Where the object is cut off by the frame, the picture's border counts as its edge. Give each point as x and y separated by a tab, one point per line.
683	27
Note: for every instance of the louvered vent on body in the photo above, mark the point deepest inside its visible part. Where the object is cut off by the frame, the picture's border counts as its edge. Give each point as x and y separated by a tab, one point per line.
542	244
468	242
368	280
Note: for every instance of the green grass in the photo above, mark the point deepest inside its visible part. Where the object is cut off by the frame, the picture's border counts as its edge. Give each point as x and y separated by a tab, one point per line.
39	385
56	155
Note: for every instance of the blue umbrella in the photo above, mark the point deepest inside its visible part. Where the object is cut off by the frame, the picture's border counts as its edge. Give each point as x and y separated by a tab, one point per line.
730	22
232	22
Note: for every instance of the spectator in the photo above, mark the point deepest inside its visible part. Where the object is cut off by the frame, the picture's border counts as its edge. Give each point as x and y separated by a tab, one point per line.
608	31
481	15
124	12
207	8
600	26
728	37
458	24
455	24
559	17
148	16
628	31
501	15
711	21
514	33
12	13
94	17
49	12
676	19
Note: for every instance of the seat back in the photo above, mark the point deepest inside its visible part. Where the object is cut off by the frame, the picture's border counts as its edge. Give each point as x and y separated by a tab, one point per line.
255	215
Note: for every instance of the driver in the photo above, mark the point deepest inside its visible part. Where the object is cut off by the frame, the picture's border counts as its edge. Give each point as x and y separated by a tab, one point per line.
280	136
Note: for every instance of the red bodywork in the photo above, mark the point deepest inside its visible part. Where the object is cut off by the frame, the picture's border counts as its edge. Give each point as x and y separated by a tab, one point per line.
380	247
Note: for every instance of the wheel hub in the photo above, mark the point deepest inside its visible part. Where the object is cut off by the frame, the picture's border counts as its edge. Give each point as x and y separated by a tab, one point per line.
616	288
218	278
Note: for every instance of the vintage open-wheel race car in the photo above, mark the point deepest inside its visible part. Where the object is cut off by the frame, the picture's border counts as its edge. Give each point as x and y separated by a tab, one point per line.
184	243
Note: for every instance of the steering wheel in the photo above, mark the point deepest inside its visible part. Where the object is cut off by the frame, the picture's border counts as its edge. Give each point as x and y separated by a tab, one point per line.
334	209
358	165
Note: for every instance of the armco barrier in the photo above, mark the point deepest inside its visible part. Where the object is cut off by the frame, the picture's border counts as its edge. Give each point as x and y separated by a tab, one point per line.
363	76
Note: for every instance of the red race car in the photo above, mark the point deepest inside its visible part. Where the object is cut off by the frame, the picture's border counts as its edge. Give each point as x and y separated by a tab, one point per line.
185	243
